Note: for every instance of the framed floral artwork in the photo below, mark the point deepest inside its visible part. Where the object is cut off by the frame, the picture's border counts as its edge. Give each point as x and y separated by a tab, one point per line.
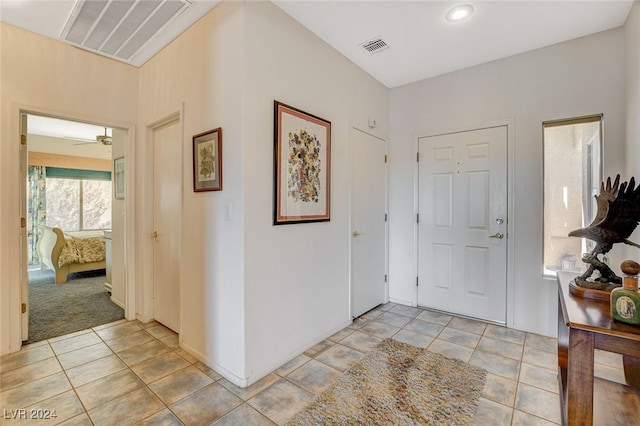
302	166
207	161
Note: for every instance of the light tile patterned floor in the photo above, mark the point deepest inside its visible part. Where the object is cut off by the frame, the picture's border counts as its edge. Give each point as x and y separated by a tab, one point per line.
127	373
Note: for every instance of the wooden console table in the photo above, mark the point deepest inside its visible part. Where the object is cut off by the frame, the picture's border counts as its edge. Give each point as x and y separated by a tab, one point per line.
583	326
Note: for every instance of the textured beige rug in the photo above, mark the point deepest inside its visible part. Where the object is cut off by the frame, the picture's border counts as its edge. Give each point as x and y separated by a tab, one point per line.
399	384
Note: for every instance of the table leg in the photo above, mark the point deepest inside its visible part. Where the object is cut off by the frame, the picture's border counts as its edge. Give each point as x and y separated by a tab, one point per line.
632	370
580	378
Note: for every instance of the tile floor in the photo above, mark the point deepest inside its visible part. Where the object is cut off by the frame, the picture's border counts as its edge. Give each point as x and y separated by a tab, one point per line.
127	373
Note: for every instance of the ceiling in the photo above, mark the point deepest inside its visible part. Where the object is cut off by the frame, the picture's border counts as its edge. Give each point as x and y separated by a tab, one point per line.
421	43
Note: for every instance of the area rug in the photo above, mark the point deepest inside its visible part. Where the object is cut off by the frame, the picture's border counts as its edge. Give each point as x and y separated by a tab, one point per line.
58	309
399	384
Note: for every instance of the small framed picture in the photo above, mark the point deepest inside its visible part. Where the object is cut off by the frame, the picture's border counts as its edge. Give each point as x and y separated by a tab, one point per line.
302	169
207	161
118	178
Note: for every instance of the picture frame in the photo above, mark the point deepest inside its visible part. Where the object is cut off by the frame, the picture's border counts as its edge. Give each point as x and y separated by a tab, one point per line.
118	178
302	166
207	161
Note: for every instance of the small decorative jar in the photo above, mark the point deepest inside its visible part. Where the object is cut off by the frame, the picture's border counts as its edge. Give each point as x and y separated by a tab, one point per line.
625	301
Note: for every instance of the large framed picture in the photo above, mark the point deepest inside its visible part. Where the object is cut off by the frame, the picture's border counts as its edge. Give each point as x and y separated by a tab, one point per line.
302	166
207	161
118	178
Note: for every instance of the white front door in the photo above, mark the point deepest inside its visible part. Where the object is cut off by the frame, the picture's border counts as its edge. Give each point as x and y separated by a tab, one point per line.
462	223
167	198
368	222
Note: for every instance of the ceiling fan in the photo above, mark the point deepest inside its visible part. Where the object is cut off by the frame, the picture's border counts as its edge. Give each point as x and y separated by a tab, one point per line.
103	139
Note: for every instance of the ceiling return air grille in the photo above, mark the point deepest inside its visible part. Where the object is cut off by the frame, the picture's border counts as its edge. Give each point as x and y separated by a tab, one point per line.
374	46
119	28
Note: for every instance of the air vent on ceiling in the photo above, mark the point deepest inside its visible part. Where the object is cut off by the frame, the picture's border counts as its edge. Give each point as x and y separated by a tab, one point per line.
374	46
119	28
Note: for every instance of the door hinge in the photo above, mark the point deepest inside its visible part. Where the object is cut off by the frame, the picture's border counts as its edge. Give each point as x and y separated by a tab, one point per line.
416	281
23	222
417	156
24	308
385	278
385	217
23	139
385	158
417	217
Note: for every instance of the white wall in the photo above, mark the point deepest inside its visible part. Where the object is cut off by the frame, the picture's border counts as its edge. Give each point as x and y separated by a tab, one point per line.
632	90
297	276
202	70
575	78
46	76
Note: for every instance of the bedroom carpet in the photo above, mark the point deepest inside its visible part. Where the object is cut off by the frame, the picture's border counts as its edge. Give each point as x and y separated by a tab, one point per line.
58	309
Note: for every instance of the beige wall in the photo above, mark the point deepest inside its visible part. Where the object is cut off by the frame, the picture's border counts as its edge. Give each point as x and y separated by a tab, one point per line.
46	76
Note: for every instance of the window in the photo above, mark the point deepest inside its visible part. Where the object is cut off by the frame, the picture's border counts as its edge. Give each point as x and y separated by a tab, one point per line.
572	176
78	200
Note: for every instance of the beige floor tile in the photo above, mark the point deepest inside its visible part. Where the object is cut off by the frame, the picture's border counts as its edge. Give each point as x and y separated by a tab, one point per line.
540	358
504	333
26	356
101	391
79	420
127	409
407	311
319	348
130	340
538	402
393	319
314	376
34	371
492	413
496	364
152	323
159	367
109	324
95	370
609	359
469	325
424	327
520	418
500	390
435	317
360	341
119	330
379	329
610	373
180	384
539	377
415	339
84	355
69	336
206	370
171	342
141	353
206	405
243	415
160	331
292	365
280	401
340	357
51	411
36	391
459	337
341	334
371	315
161	418
544	343
501	347
252	390
451	350
73	343
186	355
358	323
387	306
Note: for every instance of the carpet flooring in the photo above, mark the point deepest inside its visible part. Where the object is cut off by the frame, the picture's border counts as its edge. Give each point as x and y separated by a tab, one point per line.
58	309
399	384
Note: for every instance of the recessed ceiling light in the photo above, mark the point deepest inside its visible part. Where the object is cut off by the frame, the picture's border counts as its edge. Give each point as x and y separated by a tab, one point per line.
459	13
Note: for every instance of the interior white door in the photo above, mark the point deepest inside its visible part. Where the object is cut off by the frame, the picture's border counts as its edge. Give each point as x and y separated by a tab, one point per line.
167	196
462	243
368	222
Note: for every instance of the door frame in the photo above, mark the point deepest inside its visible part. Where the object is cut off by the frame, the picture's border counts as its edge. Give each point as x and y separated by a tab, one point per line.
145	228
510	125
19	286
386	205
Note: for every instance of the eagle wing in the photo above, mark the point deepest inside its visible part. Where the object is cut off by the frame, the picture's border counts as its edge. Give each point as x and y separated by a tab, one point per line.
607	194
622	213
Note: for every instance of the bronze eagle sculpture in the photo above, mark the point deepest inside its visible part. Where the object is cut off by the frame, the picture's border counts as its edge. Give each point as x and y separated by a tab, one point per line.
617	216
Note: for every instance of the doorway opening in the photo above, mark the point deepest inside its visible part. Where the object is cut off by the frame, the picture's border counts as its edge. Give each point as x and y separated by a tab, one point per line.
74	227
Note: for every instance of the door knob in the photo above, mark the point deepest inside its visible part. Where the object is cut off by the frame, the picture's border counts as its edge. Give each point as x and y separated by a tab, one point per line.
498	235
356	234
154	234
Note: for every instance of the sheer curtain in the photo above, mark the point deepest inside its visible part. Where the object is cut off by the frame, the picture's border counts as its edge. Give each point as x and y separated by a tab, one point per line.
36	209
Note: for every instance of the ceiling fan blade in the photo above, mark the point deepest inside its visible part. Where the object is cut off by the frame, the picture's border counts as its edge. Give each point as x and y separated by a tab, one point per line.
80	139
85	143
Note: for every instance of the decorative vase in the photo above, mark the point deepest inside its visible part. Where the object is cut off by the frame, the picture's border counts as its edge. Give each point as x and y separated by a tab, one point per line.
625	301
